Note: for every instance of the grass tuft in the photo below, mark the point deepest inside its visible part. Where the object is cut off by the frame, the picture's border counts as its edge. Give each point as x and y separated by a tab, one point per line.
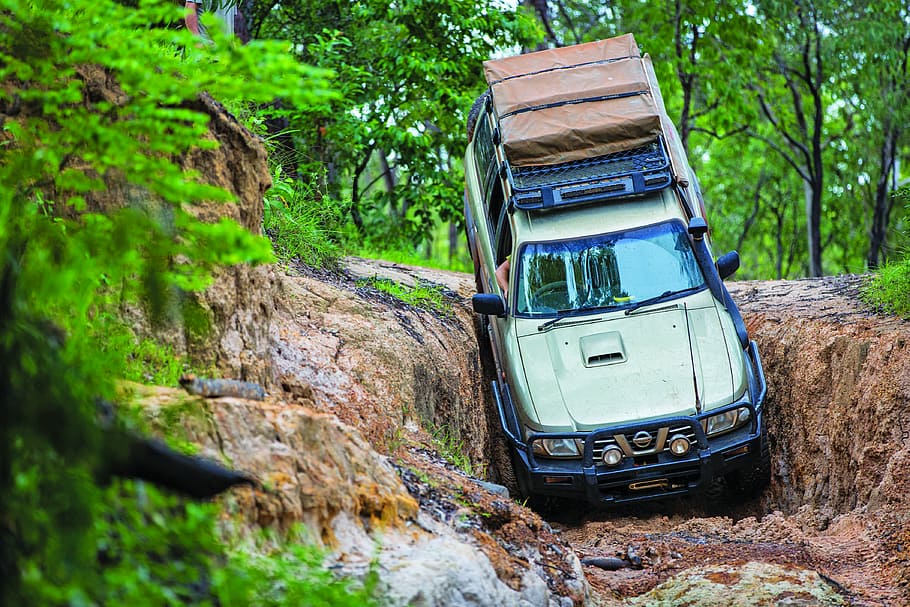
302	222
423	295
451	448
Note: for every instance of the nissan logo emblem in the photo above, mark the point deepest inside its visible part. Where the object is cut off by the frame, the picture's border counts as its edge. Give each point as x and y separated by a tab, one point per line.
642	439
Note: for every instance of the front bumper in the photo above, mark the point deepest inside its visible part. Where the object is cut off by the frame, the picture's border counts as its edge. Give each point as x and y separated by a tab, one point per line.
646	477
635	479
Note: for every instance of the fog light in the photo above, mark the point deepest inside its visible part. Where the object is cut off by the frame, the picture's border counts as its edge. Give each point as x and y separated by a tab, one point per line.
679	444
612	455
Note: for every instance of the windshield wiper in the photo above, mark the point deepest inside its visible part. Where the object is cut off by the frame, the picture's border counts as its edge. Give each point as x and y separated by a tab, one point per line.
658	299
564	314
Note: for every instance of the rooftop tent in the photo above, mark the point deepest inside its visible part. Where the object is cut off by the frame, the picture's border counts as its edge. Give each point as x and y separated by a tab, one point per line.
573	103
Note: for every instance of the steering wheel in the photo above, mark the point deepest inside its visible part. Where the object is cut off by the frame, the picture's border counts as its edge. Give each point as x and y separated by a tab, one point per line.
550	287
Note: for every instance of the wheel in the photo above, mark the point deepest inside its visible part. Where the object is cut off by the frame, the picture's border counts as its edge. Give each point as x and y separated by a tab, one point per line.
501	462
751	482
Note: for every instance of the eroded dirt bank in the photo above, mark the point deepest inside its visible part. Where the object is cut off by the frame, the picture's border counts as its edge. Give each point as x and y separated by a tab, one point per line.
831	529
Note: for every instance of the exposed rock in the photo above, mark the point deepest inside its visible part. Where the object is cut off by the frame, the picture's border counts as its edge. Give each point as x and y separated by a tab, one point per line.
396	374
744	585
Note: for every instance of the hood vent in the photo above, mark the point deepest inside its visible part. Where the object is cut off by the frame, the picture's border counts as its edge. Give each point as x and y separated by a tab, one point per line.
602	349
605	359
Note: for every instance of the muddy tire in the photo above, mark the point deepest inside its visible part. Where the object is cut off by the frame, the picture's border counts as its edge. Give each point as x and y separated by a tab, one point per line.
500	456
501	462
750	483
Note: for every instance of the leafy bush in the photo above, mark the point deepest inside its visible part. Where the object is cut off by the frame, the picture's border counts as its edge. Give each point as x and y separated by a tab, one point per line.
889	288
293	575
302	222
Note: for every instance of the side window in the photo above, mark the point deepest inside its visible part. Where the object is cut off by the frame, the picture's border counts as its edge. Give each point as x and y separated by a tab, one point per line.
503	236
484	155
494	200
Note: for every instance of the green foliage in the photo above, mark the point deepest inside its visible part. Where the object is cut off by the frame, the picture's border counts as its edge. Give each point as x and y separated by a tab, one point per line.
889	288
424	295
438	257
134	358
93	97
149	548
436	251
778	101
302	221
291	575
407	72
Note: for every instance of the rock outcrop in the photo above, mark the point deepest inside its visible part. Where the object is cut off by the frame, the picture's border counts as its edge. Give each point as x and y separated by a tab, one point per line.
344	447
226	326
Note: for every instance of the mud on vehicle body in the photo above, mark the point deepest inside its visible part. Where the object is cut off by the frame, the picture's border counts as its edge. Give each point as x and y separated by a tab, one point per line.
624	371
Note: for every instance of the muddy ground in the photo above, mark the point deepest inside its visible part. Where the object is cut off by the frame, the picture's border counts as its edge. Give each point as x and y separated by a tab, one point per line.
831	529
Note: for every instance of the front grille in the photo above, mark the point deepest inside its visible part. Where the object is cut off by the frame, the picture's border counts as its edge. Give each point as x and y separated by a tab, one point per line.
625	441
686	431
600	445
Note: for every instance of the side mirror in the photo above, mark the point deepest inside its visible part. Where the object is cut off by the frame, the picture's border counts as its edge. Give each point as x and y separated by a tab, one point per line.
727	264
489	304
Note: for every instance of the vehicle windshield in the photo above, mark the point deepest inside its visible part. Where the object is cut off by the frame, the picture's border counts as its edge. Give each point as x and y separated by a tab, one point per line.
609	271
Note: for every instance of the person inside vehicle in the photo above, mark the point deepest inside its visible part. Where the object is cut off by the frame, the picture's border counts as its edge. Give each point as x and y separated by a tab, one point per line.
502	276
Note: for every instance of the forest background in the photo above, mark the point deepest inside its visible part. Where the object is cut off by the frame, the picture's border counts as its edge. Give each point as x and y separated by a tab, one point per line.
794	115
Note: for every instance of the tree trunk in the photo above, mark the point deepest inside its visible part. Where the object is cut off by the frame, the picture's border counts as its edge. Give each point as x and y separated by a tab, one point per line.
454	237
813	194
389	178
542	10
881	214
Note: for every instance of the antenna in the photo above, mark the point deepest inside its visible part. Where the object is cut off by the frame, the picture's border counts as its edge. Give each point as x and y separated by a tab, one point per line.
692	359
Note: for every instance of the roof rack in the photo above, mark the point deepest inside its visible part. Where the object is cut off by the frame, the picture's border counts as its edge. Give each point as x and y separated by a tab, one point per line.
637	171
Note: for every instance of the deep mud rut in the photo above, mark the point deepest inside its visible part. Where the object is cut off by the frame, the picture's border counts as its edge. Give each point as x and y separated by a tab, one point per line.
661	543
834	526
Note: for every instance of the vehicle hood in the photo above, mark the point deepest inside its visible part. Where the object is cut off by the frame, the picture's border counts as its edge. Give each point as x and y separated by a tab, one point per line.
621	369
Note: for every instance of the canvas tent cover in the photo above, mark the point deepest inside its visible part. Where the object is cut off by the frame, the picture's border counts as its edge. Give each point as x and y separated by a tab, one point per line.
577	102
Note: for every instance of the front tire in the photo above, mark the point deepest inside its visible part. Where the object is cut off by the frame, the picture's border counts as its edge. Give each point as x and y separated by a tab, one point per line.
751	482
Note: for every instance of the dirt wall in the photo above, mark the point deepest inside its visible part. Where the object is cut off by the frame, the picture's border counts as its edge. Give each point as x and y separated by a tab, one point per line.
838	394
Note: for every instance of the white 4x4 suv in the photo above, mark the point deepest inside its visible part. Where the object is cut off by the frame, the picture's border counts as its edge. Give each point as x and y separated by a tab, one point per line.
623	368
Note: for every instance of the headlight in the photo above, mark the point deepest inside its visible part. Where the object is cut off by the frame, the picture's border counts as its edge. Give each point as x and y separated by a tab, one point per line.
557	447
723	422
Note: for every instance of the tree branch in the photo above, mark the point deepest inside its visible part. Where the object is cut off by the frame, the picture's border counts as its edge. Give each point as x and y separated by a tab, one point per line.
787	158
